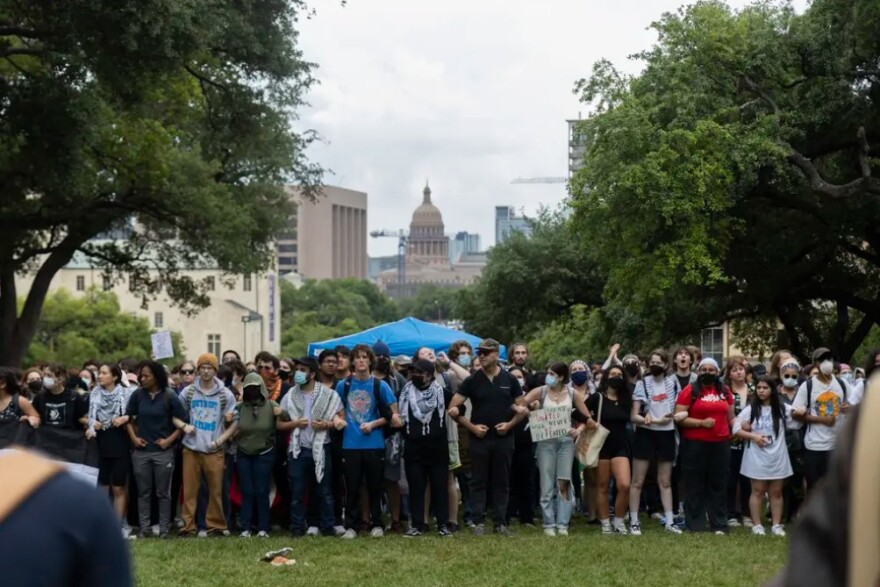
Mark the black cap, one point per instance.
(423, 366)
(309, 362)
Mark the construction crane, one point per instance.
(540, 180)
(401, 253)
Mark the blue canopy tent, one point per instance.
(403, 337)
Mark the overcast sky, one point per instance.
(469, 94)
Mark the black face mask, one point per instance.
(35, 386)
(631, 369)
(284, 375)
(616, 383)
(707, 379)
(383, 365)
(251, 394)
(657, 370)
(421, 383)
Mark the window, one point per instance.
(247, 283)
(211, 283)
(214, 344)
(158, 320)
(288, 248)
(285, 261)
(712, 343)
(80, 283)
(108, 283)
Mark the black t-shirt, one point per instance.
(615, 417)
(683, 380)
(62, 410)
(491, 400)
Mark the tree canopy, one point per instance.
(175, 115)
(731, 178)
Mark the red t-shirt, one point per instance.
(708, 405)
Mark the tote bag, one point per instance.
(590, 442)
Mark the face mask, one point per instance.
(789, 382)
(579, 378)
(300, 378)
(631, 369)
(88, 383)
(616, 382)
(707, 379)
(251, 394)
(35, 386)
(657, 370)
(284, 375)
(421, 383)
(551, 380)
(522, 382)
(826, 367)
(848, 377)
(464, 360)
(49, 382)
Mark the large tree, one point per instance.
(174, 115)
(731, 178)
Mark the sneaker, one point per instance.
(673, 529)
(777, 530)
(339, 530)
(678, 520)
(606, 529)
(758, 530)
(452, 527)
(313, 531)
(619, 527)
(349, 534)
(503, 530)
(733, 523)
(748, 523)
(377, 532)
(262, 534)
(245, 534)
(164, 535)
(529, 525)
(656, 516)
(720, 533)
(127, 535)
(470, 524)
(203, 533)
(635, 529)
(445, 533)
(549, 531)
(413, 532)
(395, 528)
(479, 530)
(179, 523)
(225, 533)
(562, 531)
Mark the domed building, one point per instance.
(427, 256)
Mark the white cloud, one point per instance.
(469, 94)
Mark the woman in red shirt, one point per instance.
(704, 411)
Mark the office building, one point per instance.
(327, 237)
(576, 147)
(463, 243)
(507, 221)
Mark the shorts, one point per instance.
(113, 471)
(614, 448)
(654, 445)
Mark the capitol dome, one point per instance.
(427, 214)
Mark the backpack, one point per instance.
(191, 392)
(383, 409)
(840, 382)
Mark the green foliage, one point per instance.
(73, 329)
(176, 114)
(568, 338)
(431, 303)
(732, 173)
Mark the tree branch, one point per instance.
(864, 185)
(761, 93)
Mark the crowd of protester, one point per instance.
(354, 441)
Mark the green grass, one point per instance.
(529, 558)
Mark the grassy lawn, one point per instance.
(529, 558)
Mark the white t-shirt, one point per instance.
(770, 462)
(660, 397)
(858, 393)
(825, 400)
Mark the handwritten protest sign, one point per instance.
(551, 422)
(162, 347)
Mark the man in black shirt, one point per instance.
(494, 413)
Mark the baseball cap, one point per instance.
(380, 349)
(423, 366)
(820, 353)
(309, 362)
(489, 345)
(403, 360)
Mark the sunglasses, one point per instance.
(187, 372)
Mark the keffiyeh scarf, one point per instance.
(423, 404)
(105, 405)
(322, 409)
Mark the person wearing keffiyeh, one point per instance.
(423, 403)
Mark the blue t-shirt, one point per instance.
(359, 409)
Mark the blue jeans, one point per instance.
(254, 479)
(301, 471)
(554, 464)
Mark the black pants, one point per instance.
(523, 473)
(815, 466)
(360, 465)
(737, 509)
(490, 458)
(706, 468)
(428, 464)
(793, 491)
(313, 497)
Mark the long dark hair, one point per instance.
(8, 376)
(158, 371)
(776, 406)
(624, 396)
(697, 388)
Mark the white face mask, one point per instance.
(826, 367)
(49, 382)
(789, 382)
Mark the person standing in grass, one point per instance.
(762, 424)
(556, 455)
(255, 418)
(652, 411)
(705, 413)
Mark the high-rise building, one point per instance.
(507, 221)
(327, 237)
(463, 243)
(577, 145)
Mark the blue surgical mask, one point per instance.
(300, 378)
(464, 360)
(551, 380)
(790, 382)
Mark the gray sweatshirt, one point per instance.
(206, 412)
